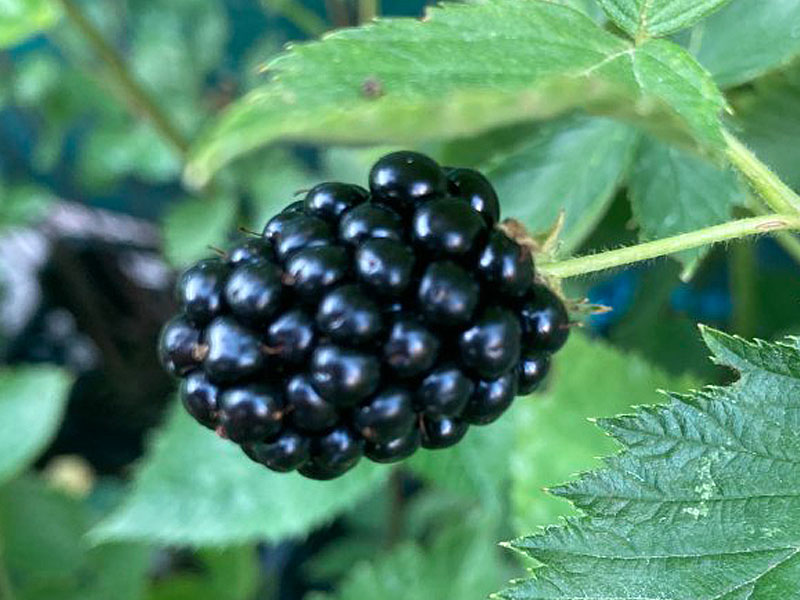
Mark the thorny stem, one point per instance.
(303, 18)
(133, 94)
(670, 245)
(776, 194)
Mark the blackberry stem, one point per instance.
(775, 193)
(301, 17)
(138, 99)
(670, 245)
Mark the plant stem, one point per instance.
(368, 10)
(132, 92)
(742, 266)
(776, 194)
(303, 18)
(670, 245)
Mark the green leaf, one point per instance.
(462, 562)
(20, 19)
(199, 490)
(21, 205)
(573, 165)
(477, 467)
(32, 401)
(194, 224)
(590, 379)
(654, 18)
(748, 38)
(672, 192)
(528, 61)
(703, 503)
(47, 556)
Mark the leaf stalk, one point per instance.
(670, 245)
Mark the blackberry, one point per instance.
(364, 323)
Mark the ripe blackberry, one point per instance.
(364, 323)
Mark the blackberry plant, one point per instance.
(365, 323)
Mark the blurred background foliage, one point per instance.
(94, 221)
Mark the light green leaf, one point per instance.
(573, 164)
(194, 224)
(554, 438)
(198, 490)
(477, 467)
(32, 401)
(672, 192)
(703, 503)
(527, 61)
(46, 554)
(748, 38)
(20, 19)
(653, 18)
(462, 562)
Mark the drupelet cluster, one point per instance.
(364, 323)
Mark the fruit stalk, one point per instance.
(133, 94)
(670, 245)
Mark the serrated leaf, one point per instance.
(590, 379)
(748, 38)
(527, 60)
(477, 467)
(46, 554)
(32, 401)
(573, 165)
(198, 490)
(462, 562)
(672, 192)
(702, 504)
(654, 18)
(20, 19)
(194, 224)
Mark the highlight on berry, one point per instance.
(364, 323)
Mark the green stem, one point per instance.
(304, 19)
(130, 89)
(670, 245)
(368, 10)
(776, 194)
(742, 264)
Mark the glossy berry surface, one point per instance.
(251, 413)
(200, 290)
(387, 416)
(472, 186)
(331, 200)
(444, 228)
(178, 346)
(545, 321)
(402, 180)
(491, 346)
(441, 433)
(364, 323)
(506, 266)
(254, 291)
(285, 453)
